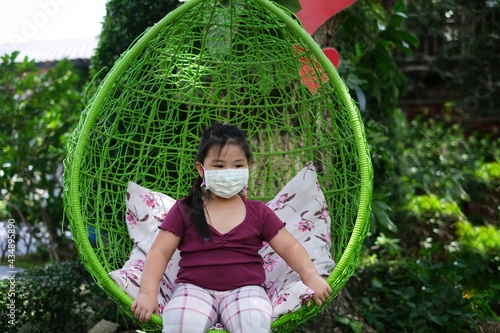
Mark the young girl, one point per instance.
(219, 234)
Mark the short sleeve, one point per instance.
(174, 220)
(271, 223)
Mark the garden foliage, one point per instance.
(37, 110)
(60, 297)
(437, 273)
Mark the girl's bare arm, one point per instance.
(296, 256)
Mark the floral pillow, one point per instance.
(301, 204)
(145, 212)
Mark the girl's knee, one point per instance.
(182, 320)
(190, 310)
(251, 321)
(248, 311)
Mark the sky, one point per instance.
(30, 20)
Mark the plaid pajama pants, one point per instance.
(194, 310)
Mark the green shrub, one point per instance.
(432, 207)
(489, 172)
(483, 187)
(480, 246)
(484, 239)
(414, 296)
(58, 298)
(438, 157)
(429, 228)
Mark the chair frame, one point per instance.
(344, 267)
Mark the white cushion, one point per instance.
(145, 212)
(301, 204)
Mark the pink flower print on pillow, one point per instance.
(168, 285)
(326, 238)
(323, 213)
(131, 219)
(138, 264)
(306, 297)
(270, 261)
(160, 217)
(305, 224)
(161, 307)
(281, 202)
(282, 298)
(150, 200)
(271, 288)
(130, 276)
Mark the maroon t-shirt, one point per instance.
(225, 261)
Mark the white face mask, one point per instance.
(226, 183)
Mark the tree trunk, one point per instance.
(325, 35)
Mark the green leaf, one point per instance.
(355, 325)
(399, 6)
(438, 265)
(407, 37)
(454, 312)
(436, 319)
(397, 18)
(359, 51)
(377, 284)
(399, 37)
(380, 209)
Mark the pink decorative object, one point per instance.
(314, 13)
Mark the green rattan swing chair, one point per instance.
(245, 62)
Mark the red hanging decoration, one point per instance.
(314, 13)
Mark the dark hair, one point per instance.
(217, 135)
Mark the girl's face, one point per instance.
(229, 157)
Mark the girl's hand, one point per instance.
(144, 306)
(158, 256)
(321, 289)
